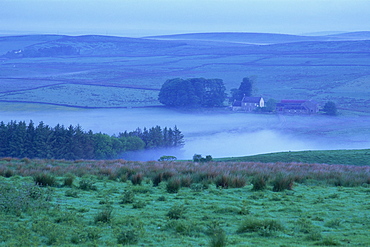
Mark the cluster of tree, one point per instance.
(200, 158)
(330, 108)
(17, 139)
(245, 89)
(193, 92)
(157, 137)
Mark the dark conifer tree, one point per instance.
(42, 141)
(178, 140)
(4, 139)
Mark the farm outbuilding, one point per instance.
(297, 107)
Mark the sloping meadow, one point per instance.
(118, 202)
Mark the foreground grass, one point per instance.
(360, 157)
(110, 203)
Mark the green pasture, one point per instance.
(86, 96)
(101, 211)
(359, 157)
(320, 71)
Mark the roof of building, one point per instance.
(237, 103)
(251, 99)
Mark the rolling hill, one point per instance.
(333, 157)
(302, 67)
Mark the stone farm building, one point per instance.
(248, 104)
(297, 107)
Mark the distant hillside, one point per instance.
(359, 157)
(88, 45)
(364, 35)
(9, 43)
(261, 38)
(92, 68)
(176, 45)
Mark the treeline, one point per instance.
(17, 139)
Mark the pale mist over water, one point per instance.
(217, 134)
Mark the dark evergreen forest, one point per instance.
(17, 139)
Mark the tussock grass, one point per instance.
(223, 174)
(118, 212)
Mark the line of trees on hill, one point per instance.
(17, 139)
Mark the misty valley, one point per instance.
(203, 139)
(220, 134)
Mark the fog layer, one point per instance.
(217, 134)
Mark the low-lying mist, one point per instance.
(215, 134)
(241, 144)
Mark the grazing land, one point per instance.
(94, 203)
(348, 157)
(106, 71)
(315, 198)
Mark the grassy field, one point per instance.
(346, 157)
(110, 203)
(93, 96)
(299, 70)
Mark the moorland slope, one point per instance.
(103, 71)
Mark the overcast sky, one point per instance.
(137, 18)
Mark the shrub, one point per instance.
(304, 225)
(186, 181)
(93, 233)
(8, 173)
(16, 199)
(68, 181)
(167, 175)
(142, 189)
(71, 193)
(164, 176)
(334, 223)
(167, 158)
(222, 181)
(104, 216)
(137, 179)
(198, 187)
(328, 242)
(282, 183)
(237, 182)
(264, 227)
(123, 178)
(330, 108)
(128, 197)
(44, 179)
(138, 204)
(184, 227)
(314, 236)
(161, 199)
(176, 212)
(128, 236)
(199, 158)
(217, 236)
(259, 183)
(157, 179)
(173, 185)
(126, 171)
(87, 185)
